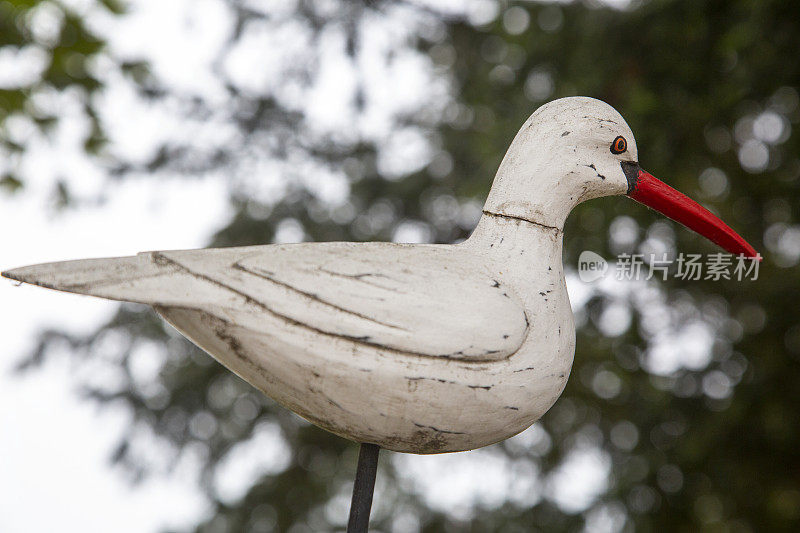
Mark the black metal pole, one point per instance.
(363, 488)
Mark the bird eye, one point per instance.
(619, 145)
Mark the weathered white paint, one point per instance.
(417, 348)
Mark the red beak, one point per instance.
(646, 189)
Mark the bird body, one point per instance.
(416, 348)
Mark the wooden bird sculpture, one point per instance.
(415, 348)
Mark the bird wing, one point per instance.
(427, 300)
(430, 300)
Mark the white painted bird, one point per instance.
(416, 348)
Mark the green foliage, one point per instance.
(690, 78)
(67, 48)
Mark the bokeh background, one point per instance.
(150, 124)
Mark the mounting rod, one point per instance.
(363, 488)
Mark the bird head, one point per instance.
(578, 148)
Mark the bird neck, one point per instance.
(534, 188)
(521, 249)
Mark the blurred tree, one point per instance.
(46, 49)
(711, 89)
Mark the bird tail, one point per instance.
(133, 279)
